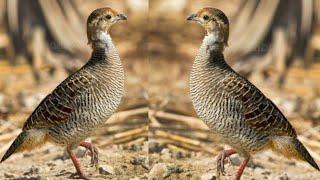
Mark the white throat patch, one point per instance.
(103, 37)
(212, 38)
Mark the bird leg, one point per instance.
(220, 160)
(76, 163)
(93, 153)
(242, 166)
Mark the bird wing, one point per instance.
(57, 107)
(257, 110)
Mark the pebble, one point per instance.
(284, 176)
(208, 176)
(155, 147)
(82, 152)
(32, 171)
(173, 169)
(165, 154)
(139, 161)
(8, 175)
(158, 170)
(106, 170)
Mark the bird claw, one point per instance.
(220, 160)
(93, 152)
(220, 164)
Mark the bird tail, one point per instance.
(15, 145)
(305, 154)
(291, 147)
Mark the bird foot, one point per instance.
(93, 152)
(79, 175)
(76, 164)
(220, 160)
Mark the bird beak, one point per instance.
(121, 17)
(192, 17)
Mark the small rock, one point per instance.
(51, 164)
(180, 154)
(106, 170)
(165, 151)
(155, 147)
(284, 176)
(266, 172)
(8, 175)
(32, 171)
(173, 169)
(81, 152)
(140, 161)
(208, 176)
(165, 154)
(157, 171)
(135, 147)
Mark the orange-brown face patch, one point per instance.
(108, 10)
(205, 10)
(100, 12)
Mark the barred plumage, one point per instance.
(82, 102)
(233, 108)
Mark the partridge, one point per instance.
(232, 107)
(83, 101)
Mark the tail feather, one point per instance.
(305, 154)
(291, 147)
(14, 146)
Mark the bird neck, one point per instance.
(214, 41)
(100, 40)
(210, 56)
(104, 54)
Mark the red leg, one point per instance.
(93, 152)
(241, 168)
(220, 160)
(76, 163)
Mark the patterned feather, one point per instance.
(56, 108)
(259, 112)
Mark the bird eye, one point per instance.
(205, 17)
(108, 16)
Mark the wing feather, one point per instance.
(259, 112)
(57, 107)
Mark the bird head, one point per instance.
(214, 21)
(101, 20)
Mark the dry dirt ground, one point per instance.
(50, 162)
(120, 162)
(202, 166)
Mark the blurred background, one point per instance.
(275, 44)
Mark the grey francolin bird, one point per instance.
(233, 108)
(83, 101)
